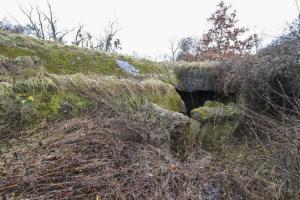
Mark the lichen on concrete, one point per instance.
(217, 123)
(197, 76)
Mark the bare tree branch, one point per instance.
(79, 37)
(33, 25)
(61, 37)
(51, 22)
(174, 48)
(42, 32)
(109, 43)
(297, 5)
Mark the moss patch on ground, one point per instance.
(51, 97)
(24, 105)
(61, 59)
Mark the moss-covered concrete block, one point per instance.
(200, 76)
(217, 123)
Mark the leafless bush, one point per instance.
(253, 77)
(263, 162)
(109, 42)
(278, 138)
(83, 38)
(8, 26)
(43, 24)
(174, 49)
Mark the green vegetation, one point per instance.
(64, 103)
(211, 110)
(60, 59)
(30, 102)
(48, 98)
(218, 122)
(33, 88)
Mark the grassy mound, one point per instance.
(51, 97)
(60, 59)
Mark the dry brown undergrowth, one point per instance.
(109, 156)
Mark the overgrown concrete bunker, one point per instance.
(195, 99)
(214, 116)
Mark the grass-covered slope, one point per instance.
(45, 81)
(61, 59)
(29, 102)
(73, 125)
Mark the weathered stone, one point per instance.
(177, 124)
(128, 68)
(217, 123)
(197, 79)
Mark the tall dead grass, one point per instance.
(264, 160)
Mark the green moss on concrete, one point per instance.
(213, 104)
(200, 114)
(163, 95)
(215, 134)
(212, 110)
(217, 124)
(171, 102)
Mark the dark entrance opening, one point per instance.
(196, 99)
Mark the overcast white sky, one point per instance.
(148, 25)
